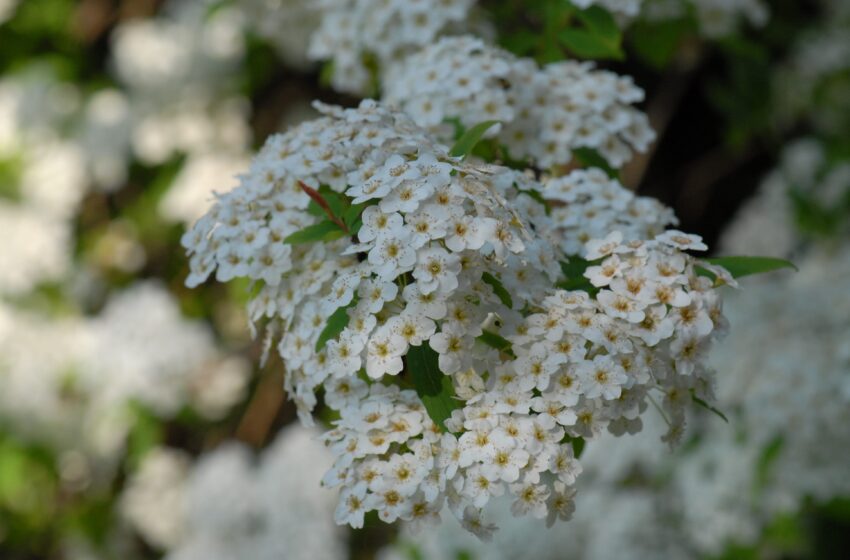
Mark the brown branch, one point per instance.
(262, 409)
(323, 204)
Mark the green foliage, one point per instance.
(336, 203)
(589, 157)
(656, 43)
(326, 73)
(743, 95)
(708, 407)
(745, 266)
(498, 289)
(10, 175)
(433, 387)
(599, 37)
(496, 341)
(146, 433)
(336, 323)
(325, 230)
(767, 459)
(465, 144)
(28, 486)
(578, 444)
(573, 270)
(337, 207)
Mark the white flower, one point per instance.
(436, 269)
(384, 352)
(602, 378)
(530, 499)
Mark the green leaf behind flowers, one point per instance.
(573, 270)
(496, 341)
(599, 37)
(433, 387)
(336, 323)
(744, 266)
(498, 289)
(325, 230)
(463, 147)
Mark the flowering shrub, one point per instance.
(475, 285)
(545, 112)
(420, 292)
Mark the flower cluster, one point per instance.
(545, 112)
(230, 504)
(417, 290)
(574, 368)
(360, 37)
(587, 204)
(42, 179)
(71, 384)
(286, 24)
(176, 96)
(427, 227)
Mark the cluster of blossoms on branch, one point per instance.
(360, 37)
(428, 299)
(545, 112)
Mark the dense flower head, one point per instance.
(545, 112)
(419, 292)
(359, 37)
(427, 224)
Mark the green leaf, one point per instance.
(470, 138)
(601, 22)
(574, 270)
(707, 406)
(352, 215)
(768, 456)
(146, 434)
(323, 231)
(587, 44)
(336, 322)
(498, 288)
(336, 202)
(326, 74)
(744, 266)
(589, 157)
(578, 444)
(521, 42)
(433, 387)
(656, 43)
(496, 341)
